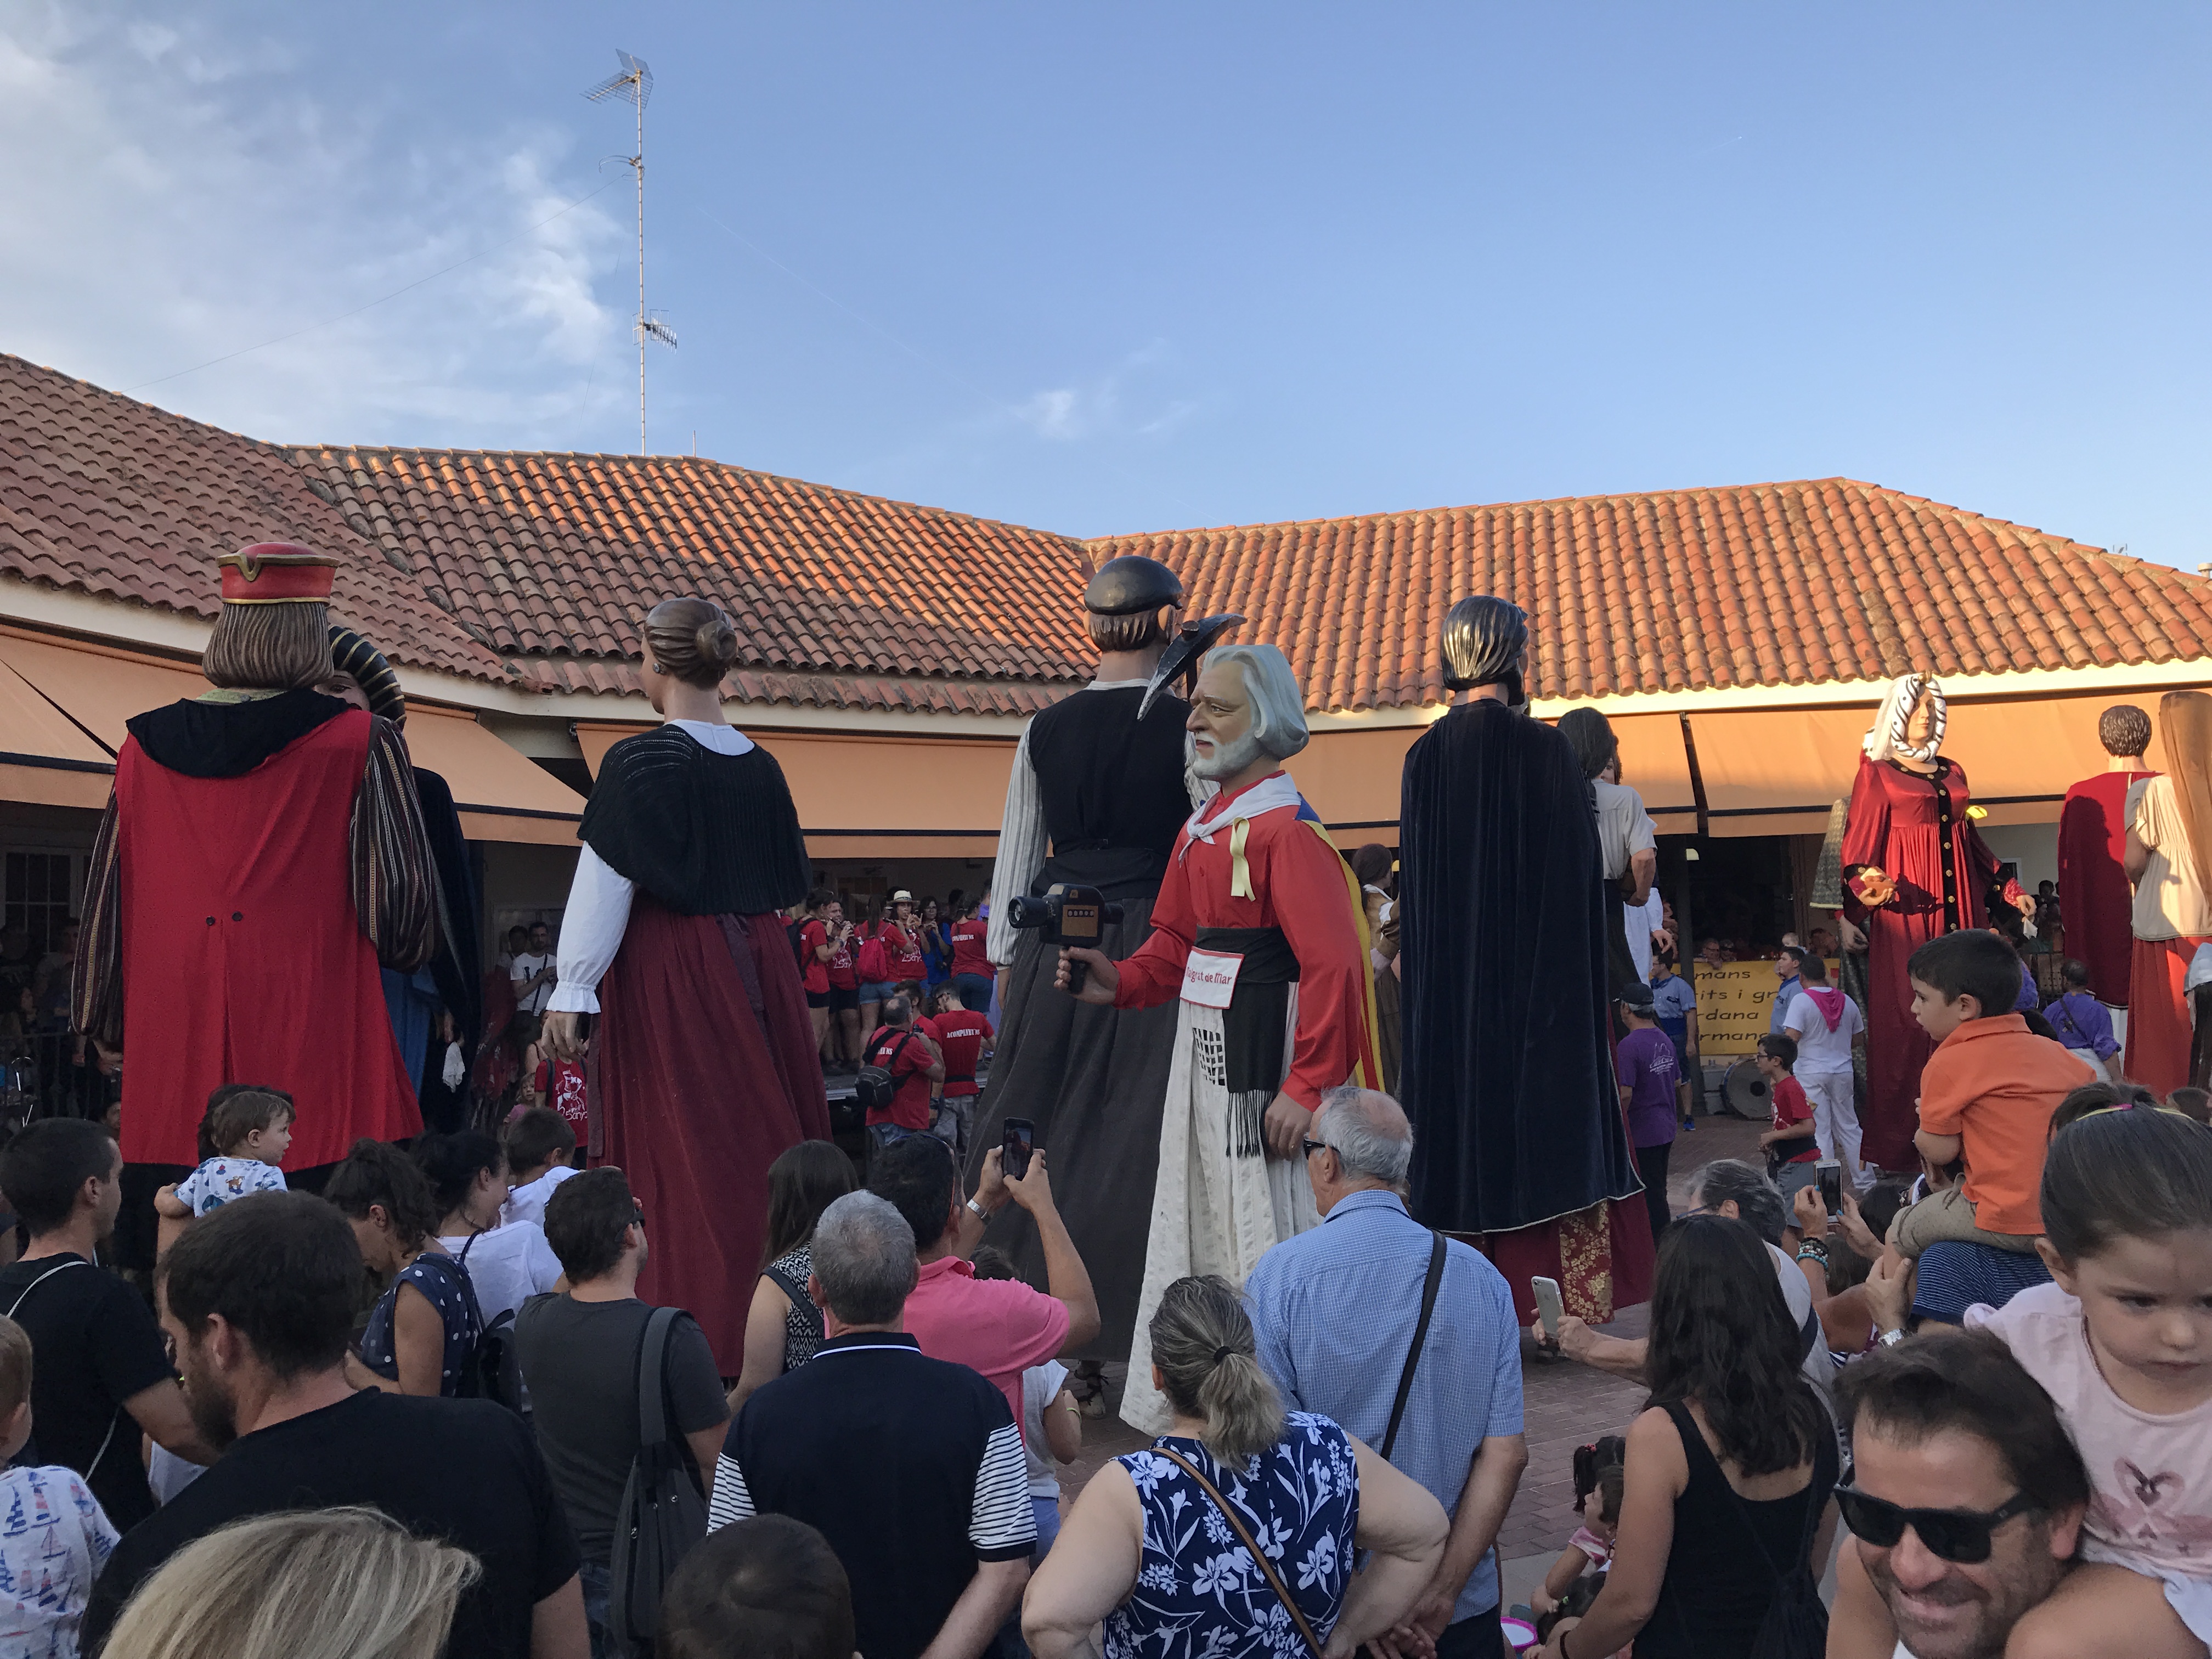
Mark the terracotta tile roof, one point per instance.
(841, 600)
(114, 497)
(1760, 585)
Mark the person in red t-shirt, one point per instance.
(901, 965)
(560, 1084)
(911, 1057)
(825, 966)
(960, 1034)
(1792, 1157)
(972, 971)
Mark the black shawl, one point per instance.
(229, 739)
(706, 834)
(1507, 1072)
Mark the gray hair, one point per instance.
(1757, 1200)
(863, 1257)
(1279, 706)
(897, 1010)
(1368, 1141)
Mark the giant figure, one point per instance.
(1914, 867)
(1102, 780)
(1505, 919)
(263, 852)
(1260, 939)
(703, 1066)
(2094, 895)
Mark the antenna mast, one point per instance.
(634, 85)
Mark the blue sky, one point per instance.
(1137, 267)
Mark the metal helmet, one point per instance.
(1483, 640)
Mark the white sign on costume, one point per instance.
(1209, 978)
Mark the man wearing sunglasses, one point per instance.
(1965, 1501)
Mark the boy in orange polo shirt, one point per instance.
(1987, 1092)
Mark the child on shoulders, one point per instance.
(54, 1537)
(1987, 1093)
(2122, 1341)
(244, 1135)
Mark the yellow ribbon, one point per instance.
(1240, 872)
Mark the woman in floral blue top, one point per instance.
(1148, 1552)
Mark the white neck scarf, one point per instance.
(1273, 791)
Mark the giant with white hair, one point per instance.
(1278, 706)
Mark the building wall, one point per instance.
(2034, 846)
(522, 884)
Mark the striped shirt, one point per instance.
(910, 1467)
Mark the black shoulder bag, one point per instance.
(662, 1514)
(875, 1086)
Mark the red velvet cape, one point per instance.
(2095, 897)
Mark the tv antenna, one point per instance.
(634, 85)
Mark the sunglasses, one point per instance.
(1962, 1536)
(1308, 1148)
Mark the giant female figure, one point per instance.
(1914, 867)
(703, 1065)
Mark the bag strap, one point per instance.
(1237, 1525)
(74, 1262)
(652, 1369)
(1429, 1288)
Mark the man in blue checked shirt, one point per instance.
(1334, 1310)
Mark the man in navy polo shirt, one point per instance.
(910, 1467)
(1334, 1310)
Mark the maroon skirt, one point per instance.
(703, 1071)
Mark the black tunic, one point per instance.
(708, 835)
(1094, 1080)
(1507, 1072)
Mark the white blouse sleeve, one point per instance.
(591, 933)
(1021, 851)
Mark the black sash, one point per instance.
(1253, 1026)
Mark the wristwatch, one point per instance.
(978, 1211)
(1889, 1339)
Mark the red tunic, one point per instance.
(2094, 895)
(243, 959)
(1299, 879)
(1918, 832)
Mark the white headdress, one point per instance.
(1886, 740)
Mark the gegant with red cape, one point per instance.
(262, 855)
(702, 1064)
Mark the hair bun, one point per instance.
(717, 642)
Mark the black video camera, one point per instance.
(1066, 915)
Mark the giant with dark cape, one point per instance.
(1508, 1072)
(1110, 792)
(702, 1066)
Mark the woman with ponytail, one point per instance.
(1160, 1544)
(705, 1068)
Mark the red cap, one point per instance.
(277, 573)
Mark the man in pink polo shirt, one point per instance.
(998, 1326)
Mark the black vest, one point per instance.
(1106, 779)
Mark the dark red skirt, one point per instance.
(1602, 1258)
(703, 1071)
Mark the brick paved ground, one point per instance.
(1565, 1406)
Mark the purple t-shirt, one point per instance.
(1645, 1061)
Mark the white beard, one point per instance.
(1228, 759)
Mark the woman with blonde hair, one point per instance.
(1162, 1544)
(341, 1584)
(2169, 859)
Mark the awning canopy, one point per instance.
(503, 794)
(866, 796)
(44, 757)
(1774, 772)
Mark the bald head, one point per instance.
(1369, 1132)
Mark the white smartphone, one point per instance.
(1549, 1308)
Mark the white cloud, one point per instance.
(1117, 404)
(175, 196)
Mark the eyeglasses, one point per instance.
(637, 1212)
(1957, 1535)
(1311, 1147)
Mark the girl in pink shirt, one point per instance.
(2122, 1344)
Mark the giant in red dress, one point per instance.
(1915, 829)
(2094, 895)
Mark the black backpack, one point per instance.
(796, 933)
(492, 1369)
(875, 1087)
(662, 1515)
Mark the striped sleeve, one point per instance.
(1001, 1525)
(732, 1501)
(395, 891)
(96, 974)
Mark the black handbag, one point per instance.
(662, 1514)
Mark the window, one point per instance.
(37, 894)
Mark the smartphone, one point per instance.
(1014, 1148)
(1831, 1184)
(1549, 1308)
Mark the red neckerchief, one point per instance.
(1830, 1001)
